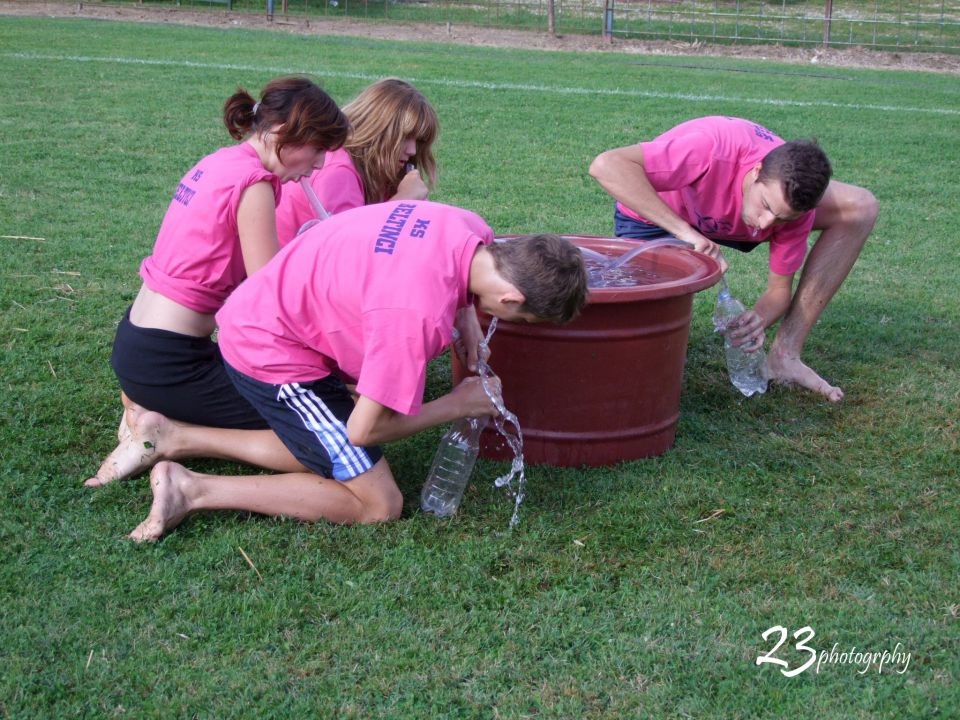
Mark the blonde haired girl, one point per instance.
(388, 156)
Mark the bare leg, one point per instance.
(845, 216)
(178, 492)
(153, 437)
(124, 430)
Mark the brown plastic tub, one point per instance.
(606, 387)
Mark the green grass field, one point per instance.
(622, 592)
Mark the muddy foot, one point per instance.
(136, 451)
(169, 482)
(792, 371)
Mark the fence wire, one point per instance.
(882, 24)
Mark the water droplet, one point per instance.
(513, 437)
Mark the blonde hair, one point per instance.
(383, 117)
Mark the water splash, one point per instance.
(513, 437)
(606, 272)
(600, 276)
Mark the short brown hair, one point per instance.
(548, 270)
(802, 169)
(308, 115)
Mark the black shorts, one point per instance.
(630, 228)
(310, 418)
(179, 376)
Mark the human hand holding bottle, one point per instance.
(746, 331)
(471, 400)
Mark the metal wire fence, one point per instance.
(924, 25)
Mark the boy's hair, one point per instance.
(383, 117)
(548, 270)
(802, 169)
(308, 115)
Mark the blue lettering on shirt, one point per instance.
(419, 228)
(184, 194)
(713, 227)
(390, 232)
(763, 133)
(196, 176)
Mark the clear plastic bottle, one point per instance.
(452, 467)
(747, 370)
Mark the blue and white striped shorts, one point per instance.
(310, 418)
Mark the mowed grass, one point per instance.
(640, 590)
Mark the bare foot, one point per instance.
(171, 504)
(137, 451)
(129, 418)
(790, 370)
(123, 430)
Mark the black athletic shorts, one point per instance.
(630, 228)
(310, 418)
(179, 376)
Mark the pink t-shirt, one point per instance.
(698, 169)
(370, 294)
(338, 186)
(197, 260)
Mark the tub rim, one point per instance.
(700, 271)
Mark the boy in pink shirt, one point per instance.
(371, 296)
(731, 181)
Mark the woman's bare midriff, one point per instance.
(153, 310)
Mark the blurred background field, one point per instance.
(922, 25)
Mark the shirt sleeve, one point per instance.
(339, 189)
(398, 344)
(677, 162)
(788, 245)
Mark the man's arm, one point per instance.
(371, 423)
(748, 329)
(622, 174)
(775, 301)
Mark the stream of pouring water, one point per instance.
(631, 254)
(514, 438)
(604, 271)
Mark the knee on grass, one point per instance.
(378, 506)
(365, 506)
(383, 507)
